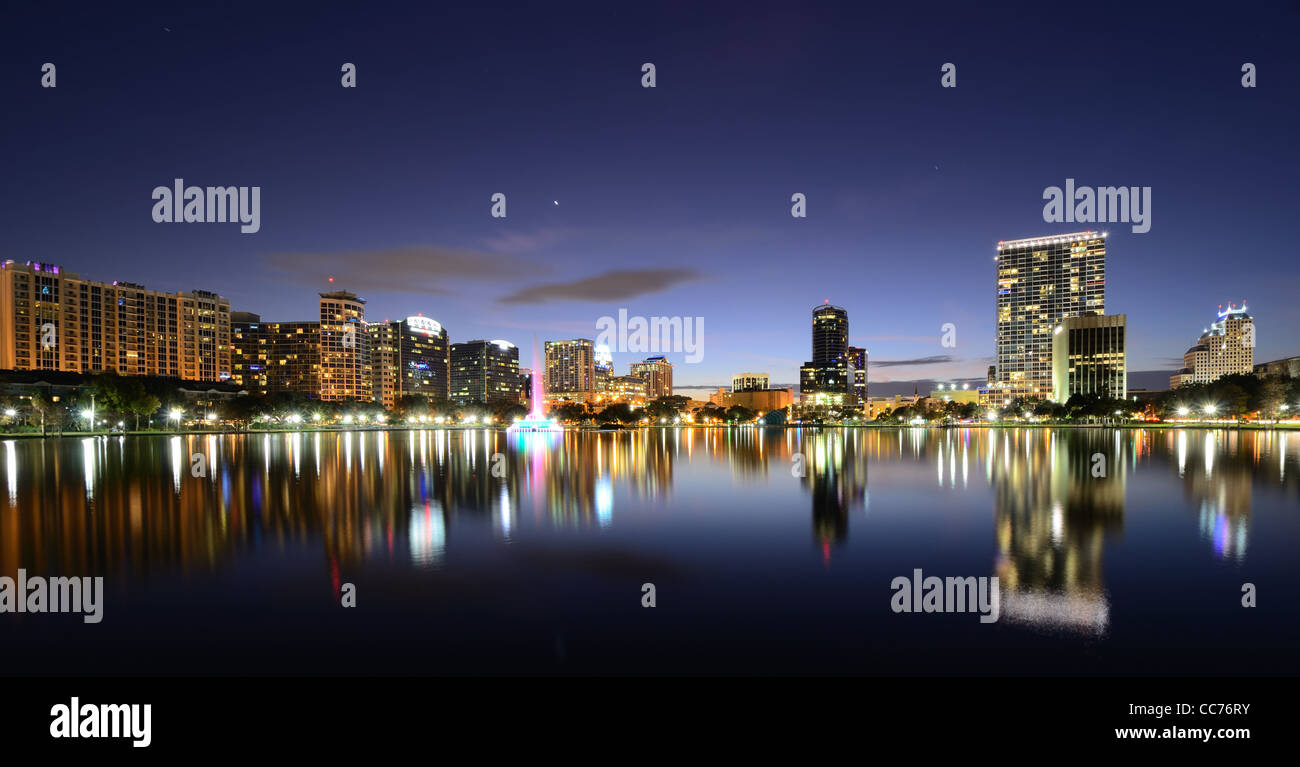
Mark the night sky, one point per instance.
(387, 187)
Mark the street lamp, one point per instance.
(10, 413)
(1211, 409)
(89, 415)
(1183, 411)
(176, 415)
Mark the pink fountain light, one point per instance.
(536, 420)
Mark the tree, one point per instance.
(740, 414)
(42, 405)
(144, 404)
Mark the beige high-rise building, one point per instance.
(1227, 346)
(51, 319)
(570, 367)
(749, 382)
(657, 372)
(344, 348)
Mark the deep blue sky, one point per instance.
(909, 185)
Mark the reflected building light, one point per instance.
(316, 452)
(1209, 454)
(1182, 452)
(88, 462)
(506, 511)
(1058, 523)
(11, 471)
(604, 501)
(428, 534)
(212, 458)
(177, 460)
(347, 450)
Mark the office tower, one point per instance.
(749, 382)
(486, 372)
(1227, 346)
(1042, 281)
(570, 367)
(827, 378)
(51, 319)
(602, 367)
(657, 372)
(858, 365)
(1088, 357)
(410, 357)
(344, 348)
(248, 352)
(830, 333)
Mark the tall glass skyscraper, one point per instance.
(830, 371)
(1042, 281)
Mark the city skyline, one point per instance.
(649, 199)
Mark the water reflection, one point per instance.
(140, 507)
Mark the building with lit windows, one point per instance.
(485, 372)
(51, 319)
(344, 348)
(1226, 347)
(570, 368)
(602, 367)
(830, 378)
(409, 358)
(750, 382)
(657, 372)
(273, 357)
(1088, 357)
(1041, 282)
(626, 389)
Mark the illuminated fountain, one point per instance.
(536, 420)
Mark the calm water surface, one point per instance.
(481, 551)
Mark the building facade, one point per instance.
(51, 319)
(409, 358)
(274, 357)
(657, 372)
(570, 367)
(1286, 368)
(485, 372)
(344, 348)
(750, 382)
(1226, 347)
(828, 378)
(1042, 281)
(1088, 357)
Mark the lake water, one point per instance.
(1116, 551)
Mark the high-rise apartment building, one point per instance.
(1226, 347)
(410, 357)
(344, 348)
(657, 372)
(1088, 357)
(570, 367)
(485, 371)
(51, 319)
(1042, 281)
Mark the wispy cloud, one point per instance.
(415, 268)
(938, 358)
(610, 286)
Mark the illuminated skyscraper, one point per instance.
(603, 367)
(570, 367)
(485, 371)
(1042, 281)
(657, 372)
(828, 378)
(1227, 346)
(411, 357)
(344, 347)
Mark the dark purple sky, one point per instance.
(387, 186)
